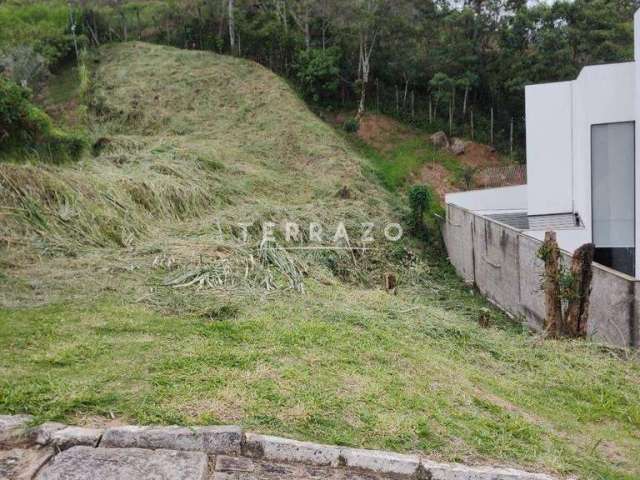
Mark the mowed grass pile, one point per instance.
(186, 138)
(180, 134)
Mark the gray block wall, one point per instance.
(503, 264)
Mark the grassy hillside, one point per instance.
(122, 300)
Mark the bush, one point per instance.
(43, 26)
(26, 128)
(23, 65)
(420, 204)
(351, 125)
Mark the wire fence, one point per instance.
(492, 177)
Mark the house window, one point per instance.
(613, 194)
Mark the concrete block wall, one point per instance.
(502, 262)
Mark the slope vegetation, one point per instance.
(127, 296)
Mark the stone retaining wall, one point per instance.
(53, 451)
(502, 262)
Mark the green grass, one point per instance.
(184, 139)
(394, 165)
(341, 365)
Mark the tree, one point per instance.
(467, 82)
(232, 24)
(442, 87)
(318, 71)
(363, 20)
(301, 11)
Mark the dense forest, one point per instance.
(459, 67)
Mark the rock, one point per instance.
(224, 440)
(457, 146)
(380, 462)
(444, 471)
(234, 464)
(285, 450)
(21, 464)
(106, 464)
(81, 463)
(41, 434)
(13, 428)
(76, 436)
(440, 139)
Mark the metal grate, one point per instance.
(522, 221)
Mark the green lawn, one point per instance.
(412, 372)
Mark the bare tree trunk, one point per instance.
(232, 26)
(577, 314)
(221, 22)
(366, 49)
(430, 110)
(377, 95)
(471, 121)
(72, 21)
(124, 25)
(413, 104)
(451, 116)
(406, 91)
(397, 101)
(464, 101)
(552, 301)
(307, 34)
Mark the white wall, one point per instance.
(636, 29)
(549, 147)
(601, 94)
(506, 198)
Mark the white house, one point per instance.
(583, 165)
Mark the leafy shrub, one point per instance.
(43, 26)
(318, 72)
(420, 204)
(24, 127)
(23, 65)
(352, 125)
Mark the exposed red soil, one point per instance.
(383, 133)
(437, 177)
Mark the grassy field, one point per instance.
(90, 333)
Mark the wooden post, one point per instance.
(553, 306)
(390, 283)
(577, 314)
